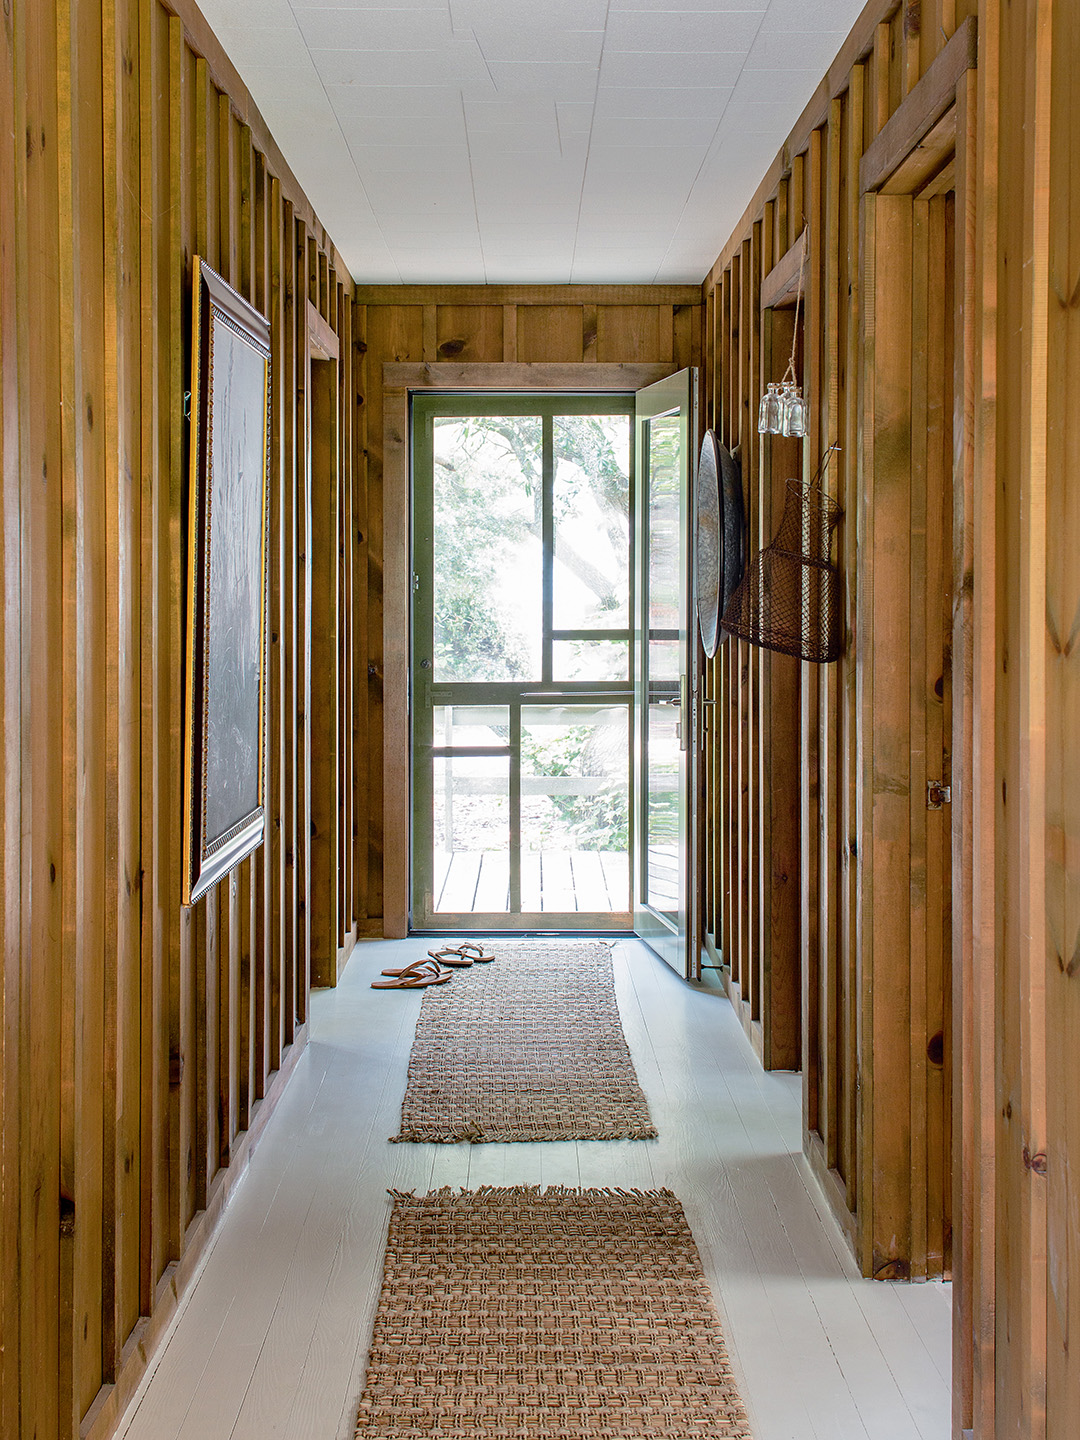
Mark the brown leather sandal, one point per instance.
(422, 967)
(451, 956)
(478, 952)
(417, 980)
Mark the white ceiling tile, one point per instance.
(363, 130)
(513, 140)
(812, 15)
(656, 32)
(472, 140)
(299, 5)
(239, 15)
(418, 163)
(433, 102)
(556, 14)
(711, 6)
(618, 165)
(330, 29)
(520, 110)
(620, 103)
(532, 40)
(562, 80)
(663, 132)
(787, 49)
(265, 47)
(596, 234)
(406, 241)
(401, 195)
(459, 63)
(687, 69)
(575, 117)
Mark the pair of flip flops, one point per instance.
(413, 977)
(467, 953)
(422, 973)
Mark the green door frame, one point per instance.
(674, 935)
(426, 692)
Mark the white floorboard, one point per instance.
(272, 1341)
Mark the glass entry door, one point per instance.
(521, 681)
(665, 682)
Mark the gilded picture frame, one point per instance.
(225, 687)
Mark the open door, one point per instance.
(664, 673)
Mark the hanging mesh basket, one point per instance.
(789, 597)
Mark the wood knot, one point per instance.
(451, 349)
(1036, 1162)
(893, 1269)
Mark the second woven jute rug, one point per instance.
(527, 1048)
(520, 1314)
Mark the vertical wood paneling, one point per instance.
(138, 1037)
(491, 325)
(1063, 722)
(875, 967)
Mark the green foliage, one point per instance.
(488, 508)
(600, 821)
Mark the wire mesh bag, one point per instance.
(789, 597)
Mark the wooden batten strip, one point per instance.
(921, 111)
(828, 409)
(850, 285)
(781, 284)
(523, 295)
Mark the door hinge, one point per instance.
(937, 794)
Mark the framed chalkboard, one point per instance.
(226, 601)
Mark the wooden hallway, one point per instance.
(273, 1340)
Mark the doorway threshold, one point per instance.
(526, 934)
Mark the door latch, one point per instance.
(937, 794)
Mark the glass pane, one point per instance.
(665, 549)
(575, 808)
(471, 804)
(662, 810)
(488, 533)
(591, 505)
(456, 726)
(590, 659)
(664, 660)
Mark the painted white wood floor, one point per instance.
(273, 1339)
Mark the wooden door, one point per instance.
(904, 649)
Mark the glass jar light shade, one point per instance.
(793, 412)
(769, 411)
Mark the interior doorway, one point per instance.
(908, 583)
(520, 674)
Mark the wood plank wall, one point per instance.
(941, 278)
(808, 802)
(143, 1044)
(575, 326)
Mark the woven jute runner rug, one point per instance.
(529, 1047)
(528, 1314)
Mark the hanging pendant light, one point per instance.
(783, 409)
(769, 414)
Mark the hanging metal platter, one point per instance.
(718, 538)
(734, 527)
